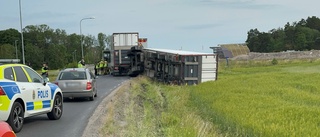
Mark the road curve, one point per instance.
(76, 114)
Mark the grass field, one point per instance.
(280, 100)
(52, 74)
(260, 100)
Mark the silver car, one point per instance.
(77, 82)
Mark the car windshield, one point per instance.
(73, 75)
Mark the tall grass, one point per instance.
(146, 109)
(259, 100)
(281, 100)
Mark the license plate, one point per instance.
(72, 84)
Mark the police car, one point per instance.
(24, 93)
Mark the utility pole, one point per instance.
(22, 44)
(15, 44)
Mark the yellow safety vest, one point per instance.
(43, 70)
(105, 64)
(101, 64)
(80, 65)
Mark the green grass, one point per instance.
(281, 100)
(52, 74)
(247, 100)
(148, 109)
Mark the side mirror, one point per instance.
(36, 80)
(45, 81)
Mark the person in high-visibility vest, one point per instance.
(96, 68)
(105, 67)
(101, 64)
(81, 63)
(44, 71)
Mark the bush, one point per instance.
(274, 61)
(72, 65)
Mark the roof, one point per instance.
(9, 61)
(232, 50)
(75, 69)
(10, 64)
(179, 52)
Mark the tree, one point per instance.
(101, 39)
(290, 36)
(253, 40)
(33, 56)
(278, 39)
(9, 36)
(108, 40)
(55, 46)
(313, 23)
(7, 51)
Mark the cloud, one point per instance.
(238, 4)
(48, 15)
(199, 26)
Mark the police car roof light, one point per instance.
(3, 61)
(2, 91)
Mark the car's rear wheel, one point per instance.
(92, 97)
(57, 109)
(96, 94)
(16, 117)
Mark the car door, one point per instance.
(26, 89)
(41, 94)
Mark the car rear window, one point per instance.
(73, 75)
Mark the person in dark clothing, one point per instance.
(96, 69)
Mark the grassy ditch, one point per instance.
(266, 100)
(145, 108)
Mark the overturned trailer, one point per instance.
(179, 67)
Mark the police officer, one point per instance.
(105, 67)
(81, 63)
(44, 71)
(96, 68)
(101, 64)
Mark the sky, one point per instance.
(190, 25)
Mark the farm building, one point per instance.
(231, 50)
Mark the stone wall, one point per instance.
(313, 54)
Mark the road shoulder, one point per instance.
(97, 119)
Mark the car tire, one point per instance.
(16, 117)
(92, 97)
(57, 108)
(95, 95)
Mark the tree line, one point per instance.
(298, 36)
(59, 49)
(43, 44)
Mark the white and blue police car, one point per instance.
(24, 93)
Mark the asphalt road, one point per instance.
(76, 114)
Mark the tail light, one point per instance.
(116, 68)
(89, 86)
(2, 91)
